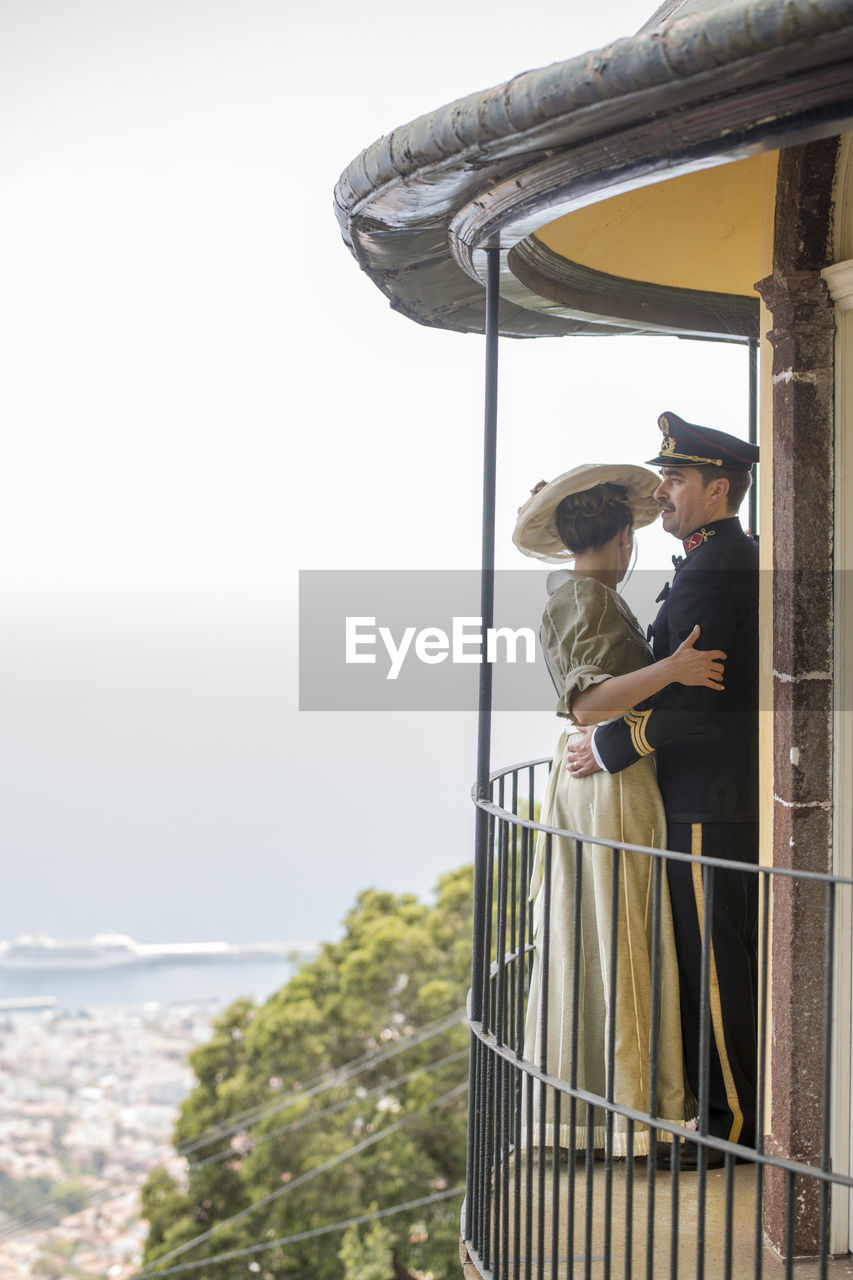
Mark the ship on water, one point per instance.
(40, 953)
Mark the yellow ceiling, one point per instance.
(708, 230)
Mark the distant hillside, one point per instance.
(343, 1096)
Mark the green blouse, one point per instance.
(588, 634)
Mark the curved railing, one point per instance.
(532, 1212)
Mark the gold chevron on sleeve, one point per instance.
(636, 722)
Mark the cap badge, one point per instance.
(669, 448)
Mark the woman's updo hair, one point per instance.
(589, 519)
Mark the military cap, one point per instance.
(701, 446)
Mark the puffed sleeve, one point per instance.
(585, 638)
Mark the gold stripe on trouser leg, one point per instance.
(714, 989)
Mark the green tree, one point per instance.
(368, 1257)
(255, 1128)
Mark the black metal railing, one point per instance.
(547, 1207)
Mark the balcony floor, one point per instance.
(742, 1262)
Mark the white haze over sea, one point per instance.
(202, 395)
(171, 790)
(212, 982)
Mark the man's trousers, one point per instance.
(732, 968)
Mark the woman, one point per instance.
(601, 667)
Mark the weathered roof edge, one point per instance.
(687, 47)
(394, 201)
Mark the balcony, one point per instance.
(584, 1210)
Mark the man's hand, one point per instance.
(579, 758)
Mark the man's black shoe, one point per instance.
(689, 1157)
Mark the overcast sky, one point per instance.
(202, 395)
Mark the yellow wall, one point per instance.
(703, 230)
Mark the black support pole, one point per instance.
(753, 431)
(482, 851)
(487, 614)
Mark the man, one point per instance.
(707, 749)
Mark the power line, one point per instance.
(340, 1075)
(343, 1075)
(45, 1217)
(315, 1173)
(87, 1199)
(306, 1235)
(230, 1153)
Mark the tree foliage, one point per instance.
(368, 1255)
(400, 966)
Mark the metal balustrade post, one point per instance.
(518, 1184)
(826, 1126)
(764, 912)
(658, 871)
(705, 1039)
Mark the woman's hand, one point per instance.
(697, 666)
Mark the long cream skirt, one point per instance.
(626, 806)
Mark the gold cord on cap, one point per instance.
(667, 450)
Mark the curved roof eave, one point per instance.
(707, 86)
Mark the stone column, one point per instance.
(802, 338)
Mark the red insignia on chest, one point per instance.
(701, 535)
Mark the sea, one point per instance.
(210, 982)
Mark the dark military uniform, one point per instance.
(707, 747)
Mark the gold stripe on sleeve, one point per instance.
(636, 722)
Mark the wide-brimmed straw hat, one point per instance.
(536, 529)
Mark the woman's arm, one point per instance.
(617, 695)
